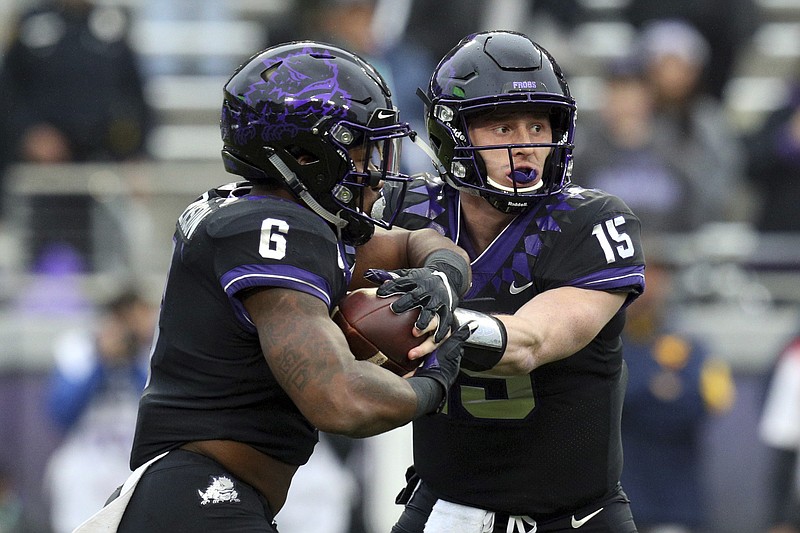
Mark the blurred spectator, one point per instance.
(75, 84)
(74, 93)
(673, 386)
(727, 25)
(692, 127)
(774, 166)
(619, 154)
(93, 398)
(780, 431)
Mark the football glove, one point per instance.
(427, 288)
(438, 372)
(434, 288)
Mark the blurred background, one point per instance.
(688, 109)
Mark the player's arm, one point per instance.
(551, 326)
(400, 248)
(309, 357)
(555, 324)
(428, 270)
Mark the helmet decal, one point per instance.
(320, 97)
(318, 94)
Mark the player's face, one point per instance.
(516, 127)
(360, 158)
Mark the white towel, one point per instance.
(107, 519)
(448, 517)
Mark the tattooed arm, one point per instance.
(309, 357)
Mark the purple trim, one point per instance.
(284, 276)
(614, 278)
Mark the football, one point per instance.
(377, 334)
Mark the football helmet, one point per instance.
(319, 120)
(485, 72)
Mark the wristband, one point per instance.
(454, 267)
(486, 345)
(430, 395)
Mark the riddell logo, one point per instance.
(524, 85)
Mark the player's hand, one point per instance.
(443, 363)
(427, 288)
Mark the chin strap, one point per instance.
(297, 187)
(426, 148)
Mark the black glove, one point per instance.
(426, 288)
(443, 363)
(438, 372)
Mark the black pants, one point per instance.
(615, 516)
(187, 492)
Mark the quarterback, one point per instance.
(529, 439)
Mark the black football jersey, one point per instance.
(208, 376)
(548, 442)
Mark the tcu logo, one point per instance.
(524, 85)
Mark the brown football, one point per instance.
(377, 334)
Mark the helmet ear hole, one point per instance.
(303, 156)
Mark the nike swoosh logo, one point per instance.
(385, 114)
(513, 289)
(578, 523)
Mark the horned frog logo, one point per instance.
(221, 490)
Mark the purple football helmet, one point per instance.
(497, 70)
(320, 120)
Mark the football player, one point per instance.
(529, 439)
(247, 364)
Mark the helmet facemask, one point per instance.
(467, 168)
(373, 160)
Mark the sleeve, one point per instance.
(596, 245)
(289, 249)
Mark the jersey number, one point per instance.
(608, 230)
(508, 398)
(273, 240)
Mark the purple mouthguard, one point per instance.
(524, 177)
